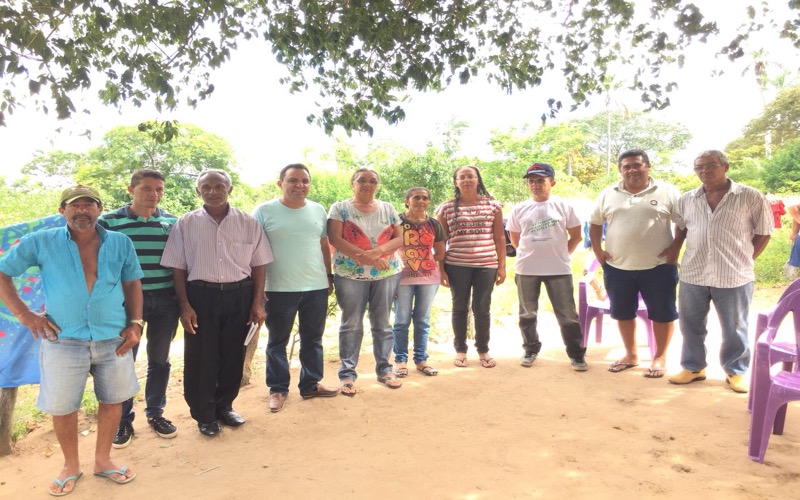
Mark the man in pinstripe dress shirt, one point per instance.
(218, 255)
(726, 226)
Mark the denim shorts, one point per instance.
(657, 286)
(66, 364)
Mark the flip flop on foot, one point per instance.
(109, 474)
(347, 389)
(621, 366)
(460, 362)
(63, 483)
(656, 372)
(488, 362)
(401, 372)
(428, 370)
(390, 381)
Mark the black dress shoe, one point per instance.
(210, 429)
(230, 418)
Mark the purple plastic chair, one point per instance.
(782, 352)
(595, 309)
(773, 392)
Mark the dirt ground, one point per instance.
(468, 433)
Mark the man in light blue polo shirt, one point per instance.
(299, 281)
(93, 311)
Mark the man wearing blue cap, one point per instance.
(545, 231)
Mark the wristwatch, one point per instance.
(139, 322)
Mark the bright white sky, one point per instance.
(267, 128)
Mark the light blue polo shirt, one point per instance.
(80, 315)
(294, 235)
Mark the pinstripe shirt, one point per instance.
(219, 253)
(719, 244)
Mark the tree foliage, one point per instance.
(781, 173)
(781, 118)
(359, 56)
(124, 150)
(577, 148)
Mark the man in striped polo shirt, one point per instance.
(726, 226)
(148, 227)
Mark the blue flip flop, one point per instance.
(64, 482)
(107, 475)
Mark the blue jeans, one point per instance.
(477, 282)
(354, 296)
(161, 313)
(282, 309)
(562, 297)
(413, 302)
(732, 306)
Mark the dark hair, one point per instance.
(291, 166)
(137, 176)
(457, 198)
(364, 169)
(411, 190)
(631, 153)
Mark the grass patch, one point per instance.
(26, 416)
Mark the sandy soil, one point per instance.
(469, 433)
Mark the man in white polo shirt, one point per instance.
(636, 260)
(726, 226)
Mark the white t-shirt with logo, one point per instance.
(542, 228)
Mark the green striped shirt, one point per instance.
(149, 237)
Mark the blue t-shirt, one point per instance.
(294, 235)
(80, 315)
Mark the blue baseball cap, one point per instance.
(540, 170)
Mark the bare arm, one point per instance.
(132, 290)
(443, 279)
(325, 246)
(759, 244)
(381, 252)
(499, 235)
(574, 238)
(794, 211)
(39, 325)
(188, 314)
(514, 235)
(596, 237)
(672, 252)
(339, 243)
(257, 312)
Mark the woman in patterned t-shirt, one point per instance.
(475, 259)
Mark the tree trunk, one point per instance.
(8, 399)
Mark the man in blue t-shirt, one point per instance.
(299, 281)
(92, 320)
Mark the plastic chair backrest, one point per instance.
(787, 303)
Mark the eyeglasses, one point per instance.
(466, 177)
(372, 182)
(537, 180)
(636, 166)
(707, 166)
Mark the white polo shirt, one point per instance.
(639, 225)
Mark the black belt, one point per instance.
(222, 286)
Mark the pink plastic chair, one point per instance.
(782, 352)
(773, 392)
(595, 309)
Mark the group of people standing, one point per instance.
(107, 276)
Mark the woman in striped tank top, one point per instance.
(475, 259)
